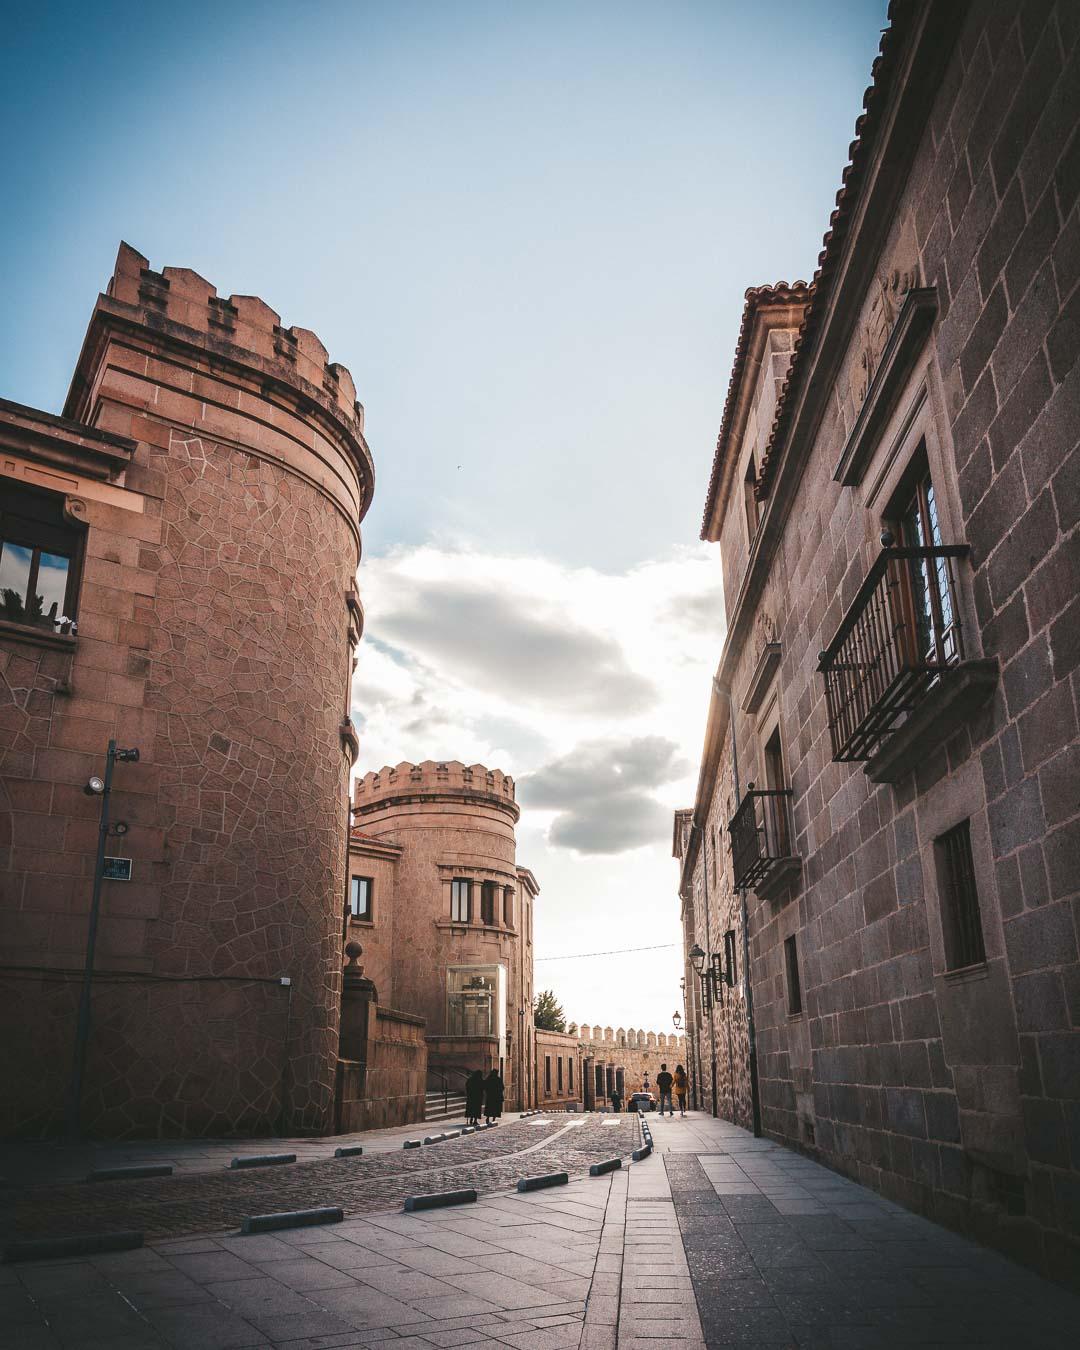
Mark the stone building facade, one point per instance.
(626, 1059)
(445, 914)
(560, 1076)
(177, 565)
(888, 809)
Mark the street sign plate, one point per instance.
(117, 869)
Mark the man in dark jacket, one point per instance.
(664, 1081)
(616, 1100)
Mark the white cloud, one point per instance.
(591, 689)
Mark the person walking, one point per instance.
(474, 1096)
(493, 1096)
(664, 1081)
(616, 1099)
(681, 1085)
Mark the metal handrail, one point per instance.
(877, 571)
(761, 833)
(898, 636)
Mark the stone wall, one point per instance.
(387, 1087)
(628, 1057)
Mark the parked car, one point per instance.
(641, 1101)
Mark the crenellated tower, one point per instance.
(217, 622)
(451, 937)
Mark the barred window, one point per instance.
(961, 920)
(729, 956)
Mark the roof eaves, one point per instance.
(756, 297)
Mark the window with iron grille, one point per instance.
(729, 956)
(961, 921)
(570, 1074)
(547, 1074)
(794, 989)
(558, 1065)
(487, 902)
(460, 904)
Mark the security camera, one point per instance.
(95, 786)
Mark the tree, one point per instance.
(548, 1012)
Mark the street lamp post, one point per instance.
(709, 990)
(95, 787)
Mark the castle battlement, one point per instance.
(435, 777)
(182, 297)
(629, 1038)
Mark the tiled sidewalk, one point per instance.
(716, 1240)
(784, 1253)
(509, 1271)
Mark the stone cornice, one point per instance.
(62, 442)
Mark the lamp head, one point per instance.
(697, 958)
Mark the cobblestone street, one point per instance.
(716, 1240)
(209, 1201)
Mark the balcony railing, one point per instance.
(761, 834)
(895, 643)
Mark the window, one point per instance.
(570, 1074)
(474, 1003)
(487, 902)
(558, 1067)
(932, 628)
(794, 991)
(40, 555)
(776, 817)
(460, 900)
(547, 1074)
(961, 921)
(729, 956)
(750, 500)
(508, 906)
(360, 898)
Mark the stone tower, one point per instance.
(216, 630)
(459, 911)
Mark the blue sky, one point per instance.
(526, 229)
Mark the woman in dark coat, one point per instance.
(493, 1096)
(474, 1096)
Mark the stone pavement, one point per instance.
(37, 1163)
(210, 1201)
(783, 1252)
(716, 1240)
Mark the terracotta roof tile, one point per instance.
(778, 293)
